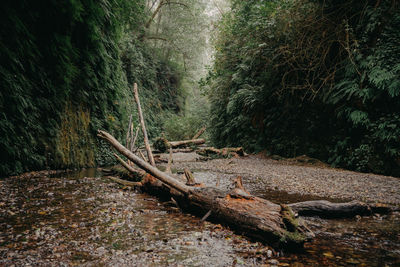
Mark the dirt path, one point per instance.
(263, 175)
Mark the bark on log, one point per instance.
(200, 132)
(162, 144)
(124, 182)
(138, 172)
(168, 169)
(145, 138)
(167, 179)
(223, 152)
(128, 132)
(255, 216)
(182, 150)
(133, 142)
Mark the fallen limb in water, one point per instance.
(252, 215)
(141, 119)
(326, 209)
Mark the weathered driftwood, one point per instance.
(129, 131)
(124, 182)
(326, 209)
(133, 141)
(163, 177)
(162, 144)
(168, 169)
(252, 215)
(142, 156)
(223, 152)
(138, 172)
(145, 138)
(182, 150)
(184, 143)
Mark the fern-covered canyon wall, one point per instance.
(312, 77)
(67, 69)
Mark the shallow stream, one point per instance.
(82, 218)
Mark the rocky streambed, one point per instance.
(82, 218)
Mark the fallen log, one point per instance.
(129, 131)
(200, 132)
(162, 144)
(326, 209)
(145, 138)
(257, 217)
(223, 152)
(184, 143)
(182, 150)
(137, 172)
(168, 169)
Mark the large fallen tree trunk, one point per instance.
(183, 143)
(223, 152)
(326, 209)
(257, 217)
(162, 144)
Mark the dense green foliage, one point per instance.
(67, 69)
(310, 77)
(179, 34)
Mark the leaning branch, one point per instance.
(257, 217)
(146, 139)
(163, 177)
(200, 132)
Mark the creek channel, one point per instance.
(83, 218)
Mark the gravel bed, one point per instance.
(292, 177)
